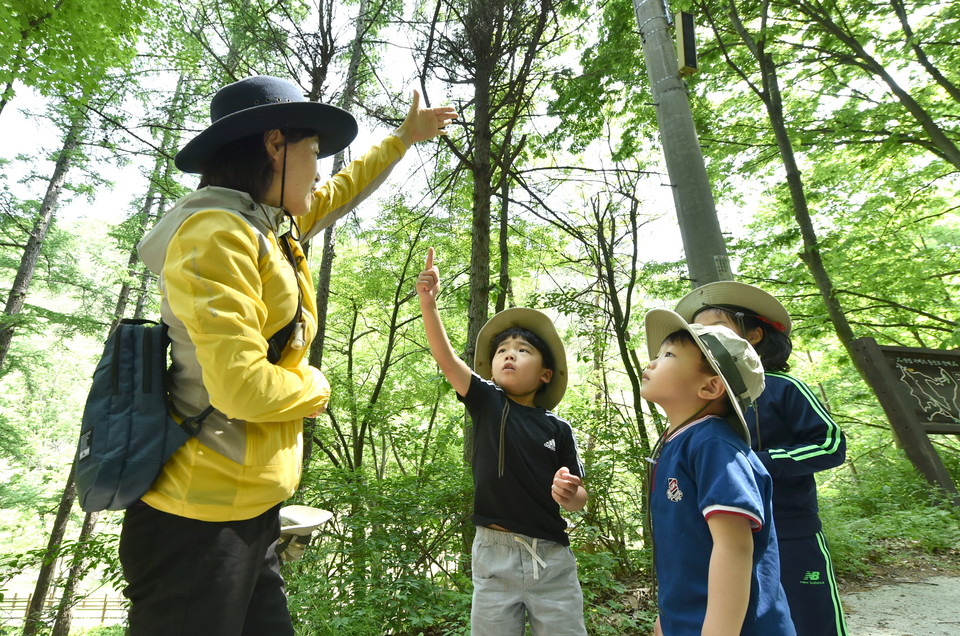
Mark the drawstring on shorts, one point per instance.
(532, 549)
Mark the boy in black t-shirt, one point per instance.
(525, 463)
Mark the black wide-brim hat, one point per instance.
(261, 103)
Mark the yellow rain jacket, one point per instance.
(225, 288)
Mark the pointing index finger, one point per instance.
(429, 258)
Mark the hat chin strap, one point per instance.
(283, 170)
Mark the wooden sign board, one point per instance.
(931, 379)
(919, 390)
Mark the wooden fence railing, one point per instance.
(98, 609)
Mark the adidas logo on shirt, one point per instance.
(551, 444)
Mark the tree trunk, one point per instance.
(503, 289)
(773, 102)
(329, 234)
(482, 194)
(33, 621)
(160, 175)
(48, 208)
(61, 625)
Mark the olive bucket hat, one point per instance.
(537, 322)
(730, 356)
(261, 103)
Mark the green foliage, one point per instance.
(614, 603)
(385, 559)
(387, 459)
(66, 47)
(871, 521)
(109, 630)
(610, 84)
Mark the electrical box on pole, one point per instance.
(686, 44)
(703, 243)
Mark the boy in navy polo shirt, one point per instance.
(525, 463)
(715, 550)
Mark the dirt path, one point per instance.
(911, 606)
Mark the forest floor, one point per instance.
(916, 596)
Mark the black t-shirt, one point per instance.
(536, 443)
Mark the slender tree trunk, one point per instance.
(61, 625)
(159, 175)
(811, 256)
(328, 253)
(504, 291)
(33, 622)
(329, 234)
(621, 310)
(48, 208)
(480, 243)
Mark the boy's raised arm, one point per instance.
(455, 369)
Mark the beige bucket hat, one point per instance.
(731, 293)
(538, 323)
(732, 357)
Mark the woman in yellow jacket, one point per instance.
(198, 549)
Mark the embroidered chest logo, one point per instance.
(673, 490)
(551, 444)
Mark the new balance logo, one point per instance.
(552, 445)
(811, 577)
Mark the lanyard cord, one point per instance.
(503, 429)
(651, 468)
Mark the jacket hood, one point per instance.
(153, 247)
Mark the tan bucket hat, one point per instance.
(542, 326)
(732, 357)
(297, 525)
(731, 293)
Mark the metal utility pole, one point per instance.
(703, 243)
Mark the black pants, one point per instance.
(806, 571)
(187, 577)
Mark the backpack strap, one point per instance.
(192, 425)
(278, 341)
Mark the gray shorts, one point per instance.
(516, 577)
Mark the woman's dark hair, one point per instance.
(774, 348)
(244, 164)
(524, 334)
